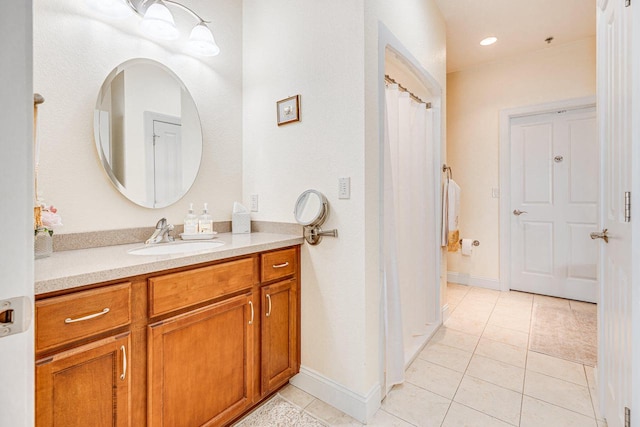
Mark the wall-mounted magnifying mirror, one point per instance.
(311, 211)
(147, 132)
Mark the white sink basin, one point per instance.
(176, 248)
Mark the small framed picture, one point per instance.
(288, 110)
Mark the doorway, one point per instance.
(554, 165)
(537, 240)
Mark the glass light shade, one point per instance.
(158, 22)
(201, 41)
(112, 8)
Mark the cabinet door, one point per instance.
(201, 365)
(88, 385)
(279, 334)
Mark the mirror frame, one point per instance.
(320, 215)
(106, 166)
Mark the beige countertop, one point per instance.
(71, 269)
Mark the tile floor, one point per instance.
(477, 371)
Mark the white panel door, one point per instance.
(554, 198)
(615, 308)
(167, 162)
(16, 204)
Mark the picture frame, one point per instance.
(288, 110)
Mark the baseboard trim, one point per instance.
(362, 408)
(465, 279)
(446, 312)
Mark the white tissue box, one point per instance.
(241, 223)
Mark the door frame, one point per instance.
(506, 115)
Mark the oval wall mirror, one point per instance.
(311, 208)
(147, 133)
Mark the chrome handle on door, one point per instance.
(90, 316)
(558, 159)
(269, 301)
(124, 363)
(602, 235)
(517, 212)
(251, 306)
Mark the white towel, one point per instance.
(450, 215)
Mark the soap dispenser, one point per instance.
(190, 222)
(205, 222)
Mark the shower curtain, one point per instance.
(408, 126)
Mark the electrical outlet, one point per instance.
(254, 203)
(344, 188)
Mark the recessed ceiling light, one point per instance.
(488, 41)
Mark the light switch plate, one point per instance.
(495, 192)
(344, 188)
(254, 203)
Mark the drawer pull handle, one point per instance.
(251, 306)
(124, 363)
(269, 301)
(90, 316)
(281, 265)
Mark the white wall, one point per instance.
(74, 50)
(475, 98)
(328, 53)
(315, 49)
(16, 203)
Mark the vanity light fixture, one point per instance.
(489, 41)
(157, 22)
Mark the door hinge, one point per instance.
(627, 3)
(627, 417)
(627, 206)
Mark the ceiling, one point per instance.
(520, 26)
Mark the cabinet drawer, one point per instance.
(64, 319)
(278, 264)
(179, 290)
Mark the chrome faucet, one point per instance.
(161, 233)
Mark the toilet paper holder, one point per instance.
(475, 242)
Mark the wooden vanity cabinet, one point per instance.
(278, 333)
(279, 321)
(89, 383)
(194, 346)
(201, 365)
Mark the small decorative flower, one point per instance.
(49, 219)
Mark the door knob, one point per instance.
(602, 235)
(517, 212)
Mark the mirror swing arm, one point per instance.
(311, 210)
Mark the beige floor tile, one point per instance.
(385, 419)
(449, 357)
(558, 392)
(502, 352)
(330, 415)
(590, 372)
(516, 296)
(602, 423)
(536, 413)
(470, 326)
(585, 307)
(514, 307)
(506, 336)
(551, 301)
(517, 323)
(481, 296)
(463, 314)
(457, 339)
(296, 396)
(495, 372)
(462, 416)
(416, 405)
(512, 313)
(557, 368)
(435, 378)
(489, 398)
